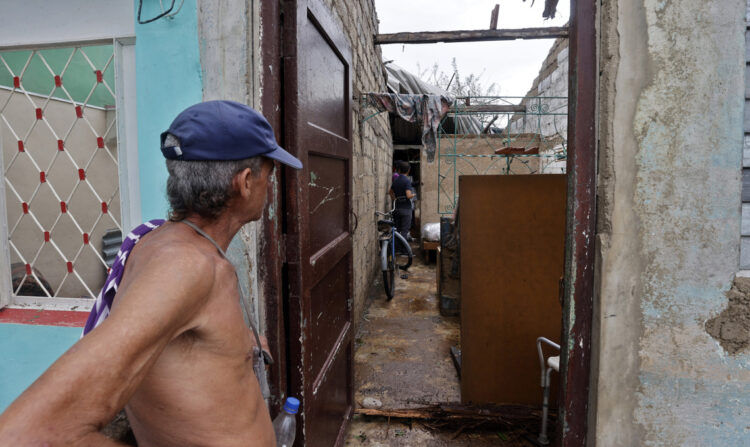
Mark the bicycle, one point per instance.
(388, 258)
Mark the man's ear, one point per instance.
(243, 182)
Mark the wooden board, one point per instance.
(512, 247)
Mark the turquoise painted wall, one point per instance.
(168, 77)
(26, 352)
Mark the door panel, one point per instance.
(328, 200)
(326, 81)
(317, 110)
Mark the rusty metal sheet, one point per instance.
(512, 252)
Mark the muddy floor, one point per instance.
(402, 358)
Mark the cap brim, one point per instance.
(285, 157)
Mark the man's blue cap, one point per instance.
(223, 130)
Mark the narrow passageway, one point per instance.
(402, 359)
(402, 345)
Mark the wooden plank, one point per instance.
(549, 32)
(493, 18)
(509, 413)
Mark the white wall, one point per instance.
(33, 22)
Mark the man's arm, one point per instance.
(392, 194)
(89, 384)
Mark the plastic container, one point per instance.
(285, 424)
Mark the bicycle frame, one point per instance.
(391, 240)
(389, 237)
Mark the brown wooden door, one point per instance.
(317, 103)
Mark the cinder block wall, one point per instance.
(372, 147)
(552, 81)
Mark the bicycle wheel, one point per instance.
(405, 250)
(389, 271)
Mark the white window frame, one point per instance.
(130, 203)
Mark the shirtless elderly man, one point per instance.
(174, 350)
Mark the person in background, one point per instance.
(402, 192)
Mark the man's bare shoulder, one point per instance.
(177, 256)
(173, 246)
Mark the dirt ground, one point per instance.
(402, 359)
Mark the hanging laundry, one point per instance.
(427, 109)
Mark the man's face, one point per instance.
(258, 186)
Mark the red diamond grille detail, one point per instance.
(47, 128)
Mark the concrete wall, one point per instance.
(466, 155)
(372, 148)
(552, 82)
(228, 36)
(745, 226)
(670, 123)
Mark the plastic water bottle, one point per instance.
(285, 424)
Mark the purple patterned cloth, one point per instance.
(106, 297)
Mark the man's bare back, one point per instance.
(202, 389)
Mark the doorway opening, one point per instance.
(577, 287)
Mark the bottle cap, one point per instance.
(291, 405)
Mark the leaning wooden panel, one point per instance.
(512, 244)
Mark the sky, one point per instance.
(512, 65)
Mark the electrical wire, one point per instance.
(164, 13)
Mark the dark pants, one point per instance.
(402, 219)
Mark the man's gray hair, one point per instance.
(203, 187)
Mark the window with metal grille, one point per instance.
(60, 168)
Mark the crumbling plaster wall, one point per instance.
(372, 150)
(228, 38)
(671, 111)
